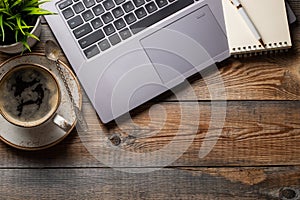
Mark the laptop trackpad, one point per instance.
(185, 46)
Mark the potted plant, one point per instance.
(20, 24)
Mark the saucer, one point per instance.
(46, 134)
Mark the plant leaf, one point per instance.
(32, 36)
(17, 2)
(19, 23)
(9, 25)
(37, 11)
(17, 35)
(25, 44)
(2, 28)
(17, 18)
(4, 11)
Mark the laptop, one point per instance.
(126, 52)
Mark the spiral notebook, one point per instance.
(270, 19)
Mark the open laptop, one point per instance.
(126, 52)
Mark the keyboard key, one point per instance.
(109, 29)
(140, 13)
(108, 4)
(87, 15)
(68, 13)
(82, 30)
(118, 2)
(104, 45)
(138, 3)
(161, 3)
(119, 24)
(91, 51)
(64, 4)
(117, 12)
(98, 10)
(78, 8)
(114, 39)
(74, 22)
(130, 18)
(89, 3)
(125, 33)
(107, 17)
(151, 7)
(97, 23)
(91, 39)
(128, 6)
(160, 14)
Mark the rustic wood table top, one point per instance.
(169, 152)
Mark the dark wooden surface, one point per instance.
(257, 155)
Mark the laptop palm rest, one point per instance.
(189, 44)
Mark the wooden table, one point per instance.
(257, 155)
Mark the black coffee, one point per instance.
(28, 94)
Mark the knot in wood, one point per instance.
(115, 140)
(288, 193)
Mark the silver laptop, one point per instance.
(126, 52)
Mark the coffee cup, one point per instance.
(30, 96)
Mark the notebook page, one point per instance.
(270, 19)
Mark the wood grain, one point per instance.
(255, 133)
(180, 183)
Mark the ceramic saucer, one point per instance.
(47, 134)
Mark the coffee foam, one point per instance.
(29, 95)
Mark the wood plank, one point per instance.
(295, 6)
(188, 183)
(255, 133)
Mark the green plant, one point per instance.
(17, 19)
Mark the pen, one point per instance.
(248, 21)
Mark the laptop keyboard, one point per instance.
(98, 25)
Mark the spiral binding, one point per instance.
(256, 50)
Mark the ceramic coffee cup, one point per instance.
(30, 96)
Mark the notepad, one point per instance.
(270, 19)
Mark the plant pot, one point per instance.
(18, 46)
